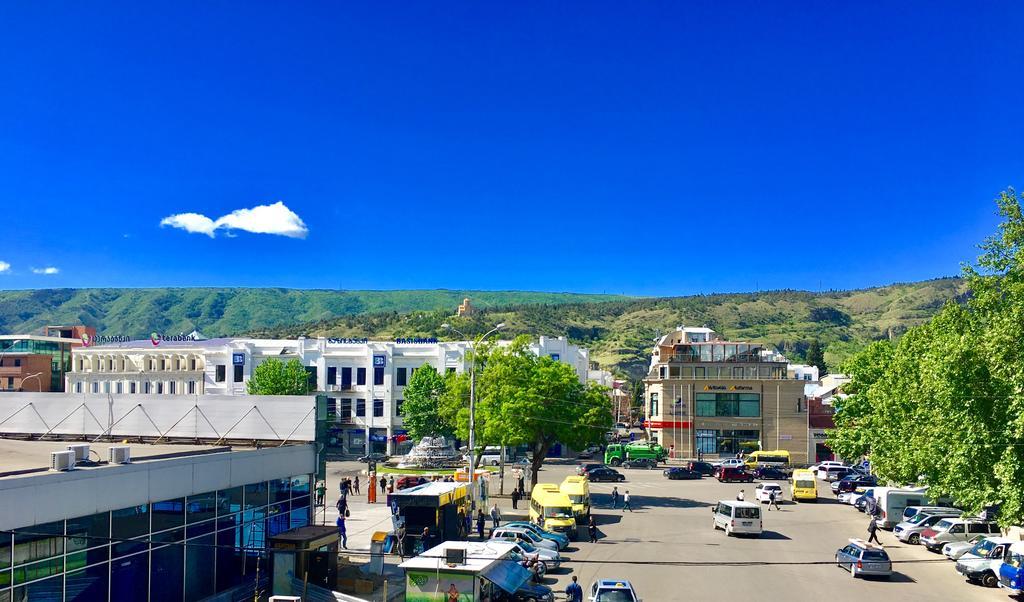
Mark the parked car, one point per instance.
(589, 452)
(647, 463)
(409, 481)
(834, 473)
(605, 473)
(677, 473)
(525, 561)
(910, 531)
(957, 549)
(910, 511)
(816, 467)
(374, 457)
(849, 498)
(611, 590)
(732, 474)
(763, 492)
(852, 481)
(981, 563)
(560, 538)
(955, 529)
(729, 462)
(862, 502)
(863, 559)
(528, 550)
(770, 473)
(522, 534)
(582, 469)
(704, 468)
(533, 592)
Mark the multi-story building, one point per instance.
(364, 380)
(717, 397)
(820, 411)
(39, 362)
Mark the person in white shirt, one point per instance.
(739, 496)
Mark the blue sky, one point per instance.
(639, 148)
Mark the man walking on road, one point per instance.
(355, 485)
(383, 485)
(342, 533)
(515, 499)
(480, 520)
(873, 532)
(574, 593)
(772, 501)
(495, 516)
(592, 529)
(740, 496)
(615, 497)
(625, 502)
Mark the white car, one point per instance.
(731, 462)
(822, 465)
(850, 497)
(956, 549)
(763, 492)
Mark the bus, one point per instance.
(803, 486)
(578, 490)
(551, 509)
(760, 459)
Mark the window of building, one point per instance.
(131, 388)
(332, 375)
(146, 387)
(400, 377)
(346, 377)
(398, 406)
(663, 372)
(119, 387)
(345, 409)
(78, 387)
(450, 370)
(712, 441)
(239, 373)
(378, 408)
(159, 388)
(17, 362)
(10, 383)
(220, 373)
(163, 364)
(106, 387)
(192, 364)
(654, 404)
(360, 408)
(378, 376)
(95, 387)
(191, 387)
(311, 378)
(172, 387)
(744, 405)
(360, 376)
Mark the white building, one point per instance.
(364, 379)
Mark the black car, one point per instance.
(374, 457)
(768, 473)
(853, 481)
(647, 463)
(583, 469)
(596, 475)
(679, 473)
(533, 592)
(704, 468)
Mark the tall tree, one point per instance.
(421, 409)
(275, 378)
(816, 357)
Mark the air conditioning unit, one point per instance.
(120, 454)
(81, 451)
(62, 460)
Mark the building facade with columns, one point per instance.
(363, 380)
(711, 396)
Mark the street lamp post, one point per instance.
(472, 406)
(35, 376)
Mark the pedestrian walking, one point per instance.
(383, 485)
(342, 505)
(625, 502)
(355, 485)
(321, 492)
(873, 532)
(400, 536)
(615, 497)
(773, 501)
(342, 533)
(574, 593)
(740, 496)
(480, 521)
(426, 538)
(522, 485)
(495, 516)
(515, 499)
(391, 484)
(592, 530)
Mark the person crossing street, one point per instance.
(873, 532)
(773, 500)
(615, 497)
(625, 502)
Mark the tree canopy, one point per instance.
(421, 410)
(275, 378)
(944, 406)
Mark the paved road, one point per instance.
(672, 522)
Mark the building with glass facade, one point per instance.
(176, 526)
(718, 397)
(32, 362)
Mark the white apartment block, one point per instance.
(364, 380)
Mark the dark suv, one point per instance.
(853, 481)
(704, 468)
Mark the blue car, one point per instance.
(559, 538)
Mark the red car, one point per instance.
(407, 482)
(732, 474)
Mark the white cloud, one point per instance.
(262, 219)
(4, 267)
(49, 270)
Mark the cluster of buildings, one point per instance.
(709, 396)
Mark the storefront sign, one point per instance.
(103, 339)
(238, 359)
(819, 435)
(715, 388)
(741, 388)
(156, 338)
(380, 360)
(785, 437)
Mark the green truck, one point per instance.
(615, 454)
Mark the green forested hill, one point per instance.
(620, 333)
(230, 311)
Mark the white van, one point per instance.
(892, 502)
(742, 518)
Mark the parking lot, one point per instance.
(671, 523)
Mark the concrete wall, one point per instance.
(208, 417)
(51, 496)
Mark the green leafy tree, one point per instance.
(816, 357)
(421, 410)
(275, 378)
